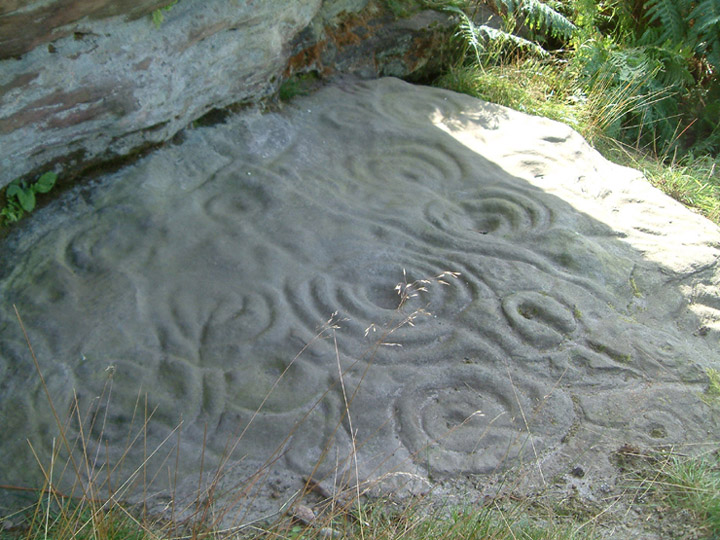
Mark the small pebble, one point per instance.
(329, 532)
(303, 514)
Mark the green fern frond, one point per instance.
(707, 17)
(505, 38)
(556, 5)
(541, 16)
(671, 15)
(652, 35)
(478, 38)
(706, 30)
(468, 32)
(631, 65)
(713, 55)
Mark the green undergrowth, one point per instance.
(532, 86)
(20, 197)
(681, 492)
(385, 520)
(693, 485)
(666, 495)
(79, 521)
(300, 84)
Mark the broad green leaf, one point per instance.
(26, 199)
(45, 183)
(13, 189)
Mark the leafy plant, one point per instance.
(490, 44)
(667, 53)
(541, 18)
(298, 85)
(21, 196)
(696, 24)
(647, 69)
(157, 15)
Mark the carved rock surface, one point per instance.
(202, 279)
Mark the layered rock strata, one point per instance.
(84, 82)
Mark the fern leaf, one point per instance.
(670, 15)
(543, 17)
(468, 32)
(652, 35)
(478, 37)
(713, 54)
(706, 16)
(498, 36)
(706, 30)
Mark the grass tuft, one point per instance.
(531, 86)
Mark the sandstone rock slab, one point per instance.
(243, 284)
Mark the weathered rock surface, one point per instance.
(26, 24)
(82, 82)
(200, 279)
